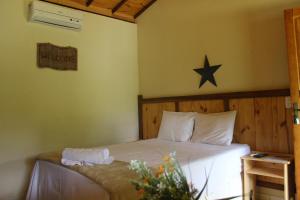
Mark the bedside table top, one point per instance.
(271, 158)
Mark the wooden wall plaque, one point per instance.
(56, 57)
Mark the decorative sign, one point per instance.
(207, 72)
(55, 57)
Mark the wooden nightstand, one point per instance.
(264, 167)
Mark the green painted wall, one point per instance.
(247, 37)
(44, 110)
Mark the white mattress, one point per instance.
(221, 163)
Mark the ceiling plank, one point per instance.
(126, 10)
(92, 9)
(118, 6)
(88, 2)
(144, 8)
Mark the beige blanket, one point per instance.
(114, 178)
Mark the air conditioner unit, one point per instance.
(55, 15)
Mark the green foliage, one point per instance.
(168, 182)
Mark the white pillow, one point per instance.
(214, 128)
(176, 126)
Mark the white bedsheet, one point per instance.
(221, 163)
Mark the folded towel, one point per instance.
(72, 156)
(71, 162)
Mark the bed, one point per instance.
(221, 163)
(261, 117)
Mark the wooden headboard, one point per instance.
(263, 121)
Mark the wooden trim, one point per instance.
(144, 8)
(233, 95)
(291, 17)
(249, 181)
(292, 52)
(140, 115)
(118, 6)
(88, 2)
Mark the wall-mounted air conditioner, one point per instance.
(48, 13)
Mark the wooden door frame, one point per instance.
(293, 66)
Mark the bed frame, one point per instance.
(263, 121)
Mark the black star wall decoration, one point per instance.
(207, 72)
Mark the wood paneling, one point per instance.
(152, 114)
(203, 106)
(244, 130)
(105, 4)
(264, 120)
(282, 127)
(127, 10)
(289, 121)
(133, 7)
(263, 123)
(272, 131)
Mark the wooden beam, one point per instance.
(88, 2)
(118, 6)
(232, 95)
(144, 8)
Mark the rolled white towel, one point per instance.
(70, 162)
(72, 156)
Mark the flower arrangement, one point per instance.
(165, 183)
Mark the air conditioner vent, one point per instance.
(48, 13)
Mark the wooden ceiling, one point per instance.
(127, 10)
